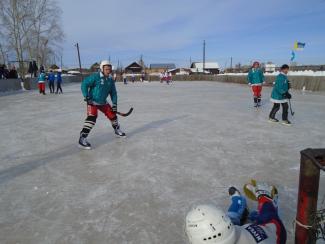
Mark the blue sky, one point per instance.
(174, 30)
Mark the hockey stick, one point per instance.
(292, 113)
(89, 102)
(125, 114)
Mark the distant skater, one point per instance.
(125, 81)
(41, 82)
(255, 79)
(51, 79)
(169, 78)
(59, 82)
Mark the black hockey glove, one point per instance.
(114, 108)
(287, 95)
(88, 100)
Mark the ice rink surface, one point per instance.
(187, 143)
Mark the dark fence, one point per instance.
(29, 83)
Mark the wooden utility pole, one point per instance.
(77, 45)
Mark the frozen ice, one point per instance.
(187, 143)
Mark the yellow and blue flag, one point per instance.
(299, 45)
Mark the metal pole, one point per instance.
(311, 162)
(61, 62)
(203, 57)
(231, 63)
(77, 45)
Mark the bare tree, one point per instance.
(47, 31)
(10, 18)
(3, 56)
(32, 29)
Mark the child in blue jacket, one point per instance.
(58, 82)
(237, 211)
(51, 79)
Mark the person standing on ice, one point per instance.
(133, 77)
(143, 76)
(256, 79)
(280, 95)
(124, 79)
(51, 79)
(95, 89)
(59, 82)
(208, 224)
(168, 77)
(41, 82)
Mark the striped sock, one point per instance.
(88, 125)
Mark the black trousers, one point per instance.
(276, 108)
(51, 86)
(58, 87)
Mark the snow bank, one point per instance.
(292, 73)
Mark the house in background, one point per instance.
(210, 67)
(269, 67)
(134, 68)
(158, 68)
(180, 71)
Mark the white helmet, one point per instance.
(206, 224)
(103, 63)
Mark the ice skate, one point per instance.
(83, 143)
(119, 133)
(273, 120)
(286, 122)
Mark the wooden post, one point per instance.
(77, 45)
(311, 162)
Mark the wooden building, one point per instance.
(134, 68)
(158, 68)
(180, 71)
(210, 67)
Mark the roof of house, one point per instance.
(208, 65)
(163, 66)
(134, 65)
(179, 69)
